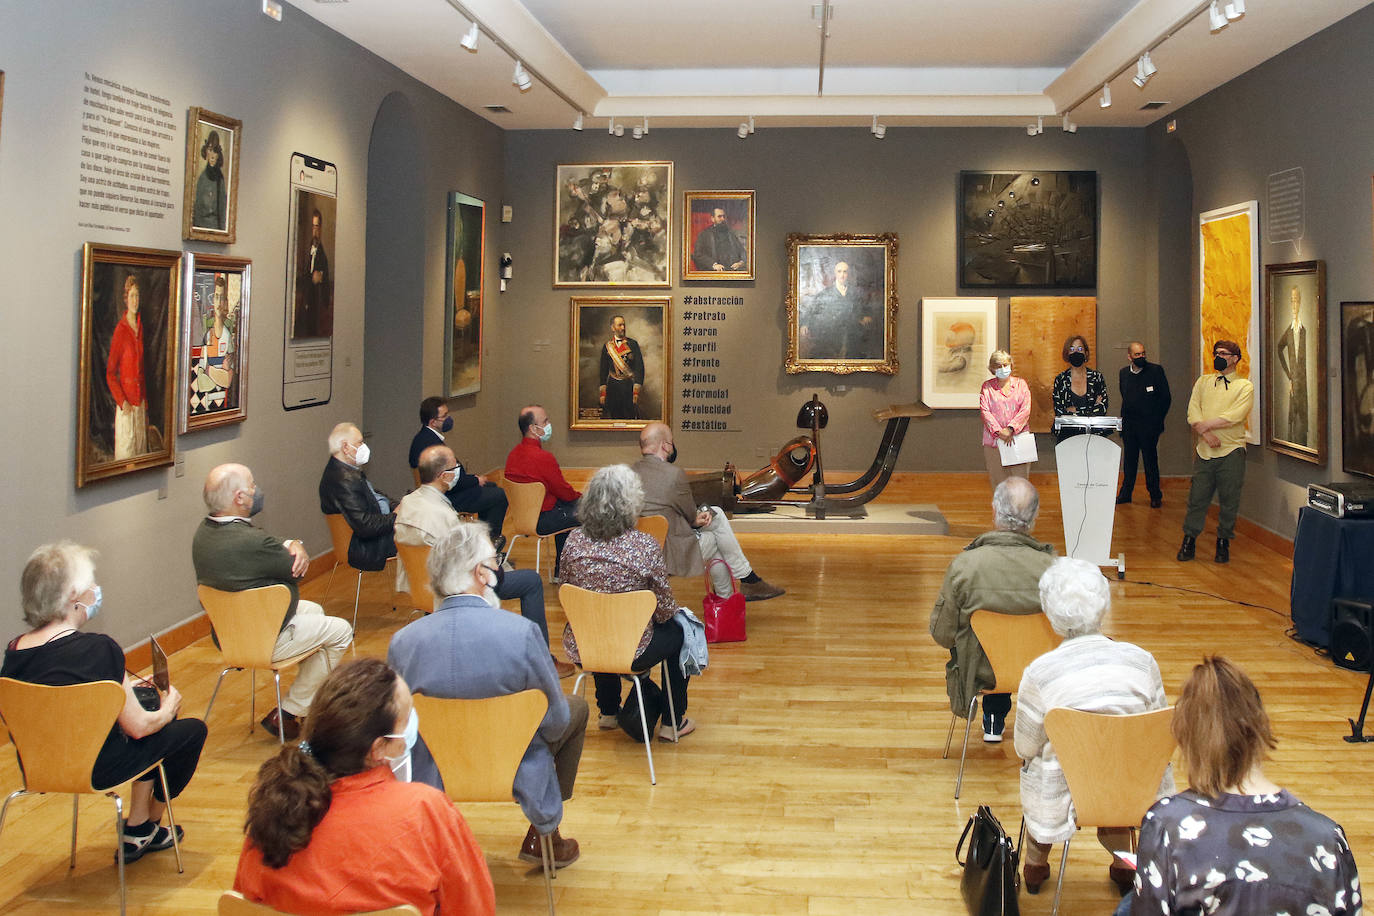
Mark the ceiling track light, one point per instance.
(637, 132)
(614, 129)
(469, 41)
(1215, 19)
(1235, 9)
(520, 78)
(1068, 126)
(745, 128)
(1144, 69)
(1037, 128)
(1106, 100)
(577, 121)
(878, 130)
(645, 127)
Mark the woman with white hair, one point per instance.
(608, 554)
(1087, 671)
(1005, 404)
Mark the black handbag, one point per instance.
(990, 881)
(655, 707)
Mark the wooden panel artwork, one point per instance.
(1039, 327)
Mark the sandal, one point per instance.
(135, 846)
(685, 728)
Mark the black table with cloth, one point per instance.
(1332, 558)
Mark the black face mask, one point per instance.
(672, 456)
(1077, 359)
(1140, 362)
(446, 425)
(1219, 363)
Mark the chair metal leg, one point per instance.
(672, 713)
(281, 726)
(215, 692)
(546, 854)
(357, 593)
(119, 844)
(252, 698)
(6, 806)
(75, 800)
(968, 724)
(577, 684)
(949, 736)
(538, 546)
(1059, 885)
(171, 820)
(644, 730)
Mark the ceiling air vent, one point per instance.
(1151, 106)
(497, 109)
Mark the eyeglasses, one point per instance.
(1076, 349)
(1224, 354)
(451, 470)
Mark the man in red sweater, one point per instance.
(529, 463)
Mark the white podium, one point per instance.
(1088, 467)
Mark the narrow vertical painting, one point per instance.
(463, 294)
(1228, 246)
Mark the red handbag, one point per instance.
(723, 615)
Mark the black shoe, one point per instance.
(1156, 502)
(1123, 498)
(1188, 549)
(290, 725)
(1223, 550)
(993, 727)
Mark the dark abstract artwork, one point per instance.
(1020, 230)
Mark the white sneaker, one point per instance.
(606, 723)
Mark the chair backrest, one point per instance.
(655, 526)
(496, 476)
(525, 499)
(232, 903)
(58, 731)
(607, 627)
(341, 534)
(1113, 763)
(1011, 642)
(414, 558)
(477, 744)
(247, 622)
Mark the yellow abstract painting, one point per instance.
(1228, 310)
(1039, 327)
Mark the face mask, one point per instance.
(1139, 361)
(446, 425)
(1077, 359)
(452, 479)
(401, 765)
(94, 607)
(258, 499)
(547, 434)
(672, 456)
(1219, 363)
(362, 454)
(1002, 372)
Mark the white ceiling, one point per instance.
(713, 63)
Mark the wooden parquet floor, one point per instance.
(814, 784)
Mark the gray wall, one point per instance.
(297, 87)
(826, 181)
(1308, 108)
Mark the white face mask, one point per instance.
(362, 454)
(489, 589)
(401, 765)
(1002, 372)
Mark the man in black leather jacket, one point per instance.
(345, 489)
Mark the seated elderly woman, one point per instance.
(608, 554)
(60, 595)
(1236, 843)
(1087, 671)
(331, 830)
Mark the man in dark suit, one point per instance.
(1144, 402)
(471, 492)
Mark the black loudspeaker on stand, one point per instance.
(1352, 646)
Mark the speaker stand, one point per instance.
(1357, 734)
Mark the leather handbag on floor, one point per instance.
(723, 615)
(990, 880)
(655, 708)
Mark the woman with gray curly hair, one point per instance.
(1087, 671)
(608, 554)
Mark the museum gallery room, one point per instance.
(825, 276)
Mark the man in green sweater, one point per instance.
(230, 553)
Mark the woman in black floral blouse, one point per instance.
(608, 554)
(1236, 844)
(1078, 390)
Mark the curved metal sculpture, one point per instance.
(771, 486)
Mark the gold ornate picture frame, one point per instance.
(126, 407)
(718, 235)
(210, 194)
(842, 303)
(620, 375)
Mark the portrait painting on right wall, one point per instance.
(1294, 354)
(1357, 388)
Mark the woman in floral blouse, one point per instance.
(1236, 844)
(608, 554)
(1078, 390)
